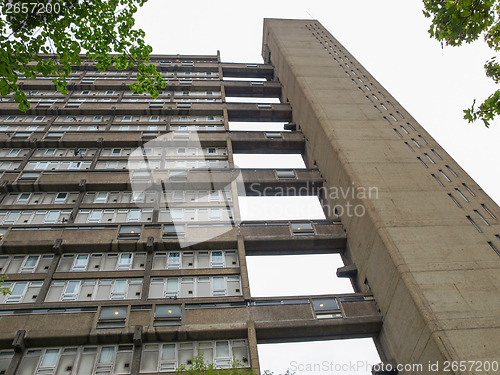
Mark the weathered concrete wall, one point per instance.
(433, 274)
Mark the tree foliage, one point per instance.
(455, 22)
(3, 289)
(103, 30)
(198, 366)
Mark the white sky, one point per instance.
(389, 38)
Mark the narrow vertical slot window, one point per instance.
(360, 89)
(408, 145)
(399, 114)
(454, 200)
(404, 129)
(387, 120)
(451, 171)
(469, 190)
(495, 249)
(392, 116)
(463, 196)
(437, 180)
(383, 106)
(378, 110)
(421, 161)
(493, 216)
(437, 154)
(482, 218)
(429, 158)
(374, 96)
(366, 87)
(415, 143)
(423, 140)
(347, 74)
(444, 175)
(398, 133)
(371, 101)
(474, 224)
(410, 126)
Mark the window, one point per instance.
(50, 151)
(80, 263)
(61, 198)
(481, 217)
(112, 317)
(285, 174)
(172, 231)
(95, 216)
(23, 198)
(101, 197)
(302, 229)
(469, 190)
(97, 118)
(326, 308)
(154, 118)
(127, 118)
(129, 232)
(14, 152)
(78, 360)
(167, 315)
(493, 216)
(474, 224)
(27, 176)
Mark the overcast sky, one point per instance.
(390, 39)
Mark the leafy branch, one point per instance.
(464, 21)
(51, 43)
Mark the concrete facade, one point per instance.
(427, 246)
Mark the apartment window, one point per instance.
(154, 118)
(285, 174)
(415, 143)
(11, 118)
(110, 92)
(172, 231)
(101, 197)
(112, 317)
(81, 262)
(61, 198)
(50, 151)
(94, 216)
(129, 232)
(27, 176)
(326, 308)
(88, 360)
(302, 229)
(23, 198)
(167, 315)
(97, 118)
(127, 118)
(451, 171)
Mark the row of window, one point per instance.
(117, 359)
(150, 151)
(121, 289)
(171, 260)
(144, 215)
(117, 197)
(99, 118)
